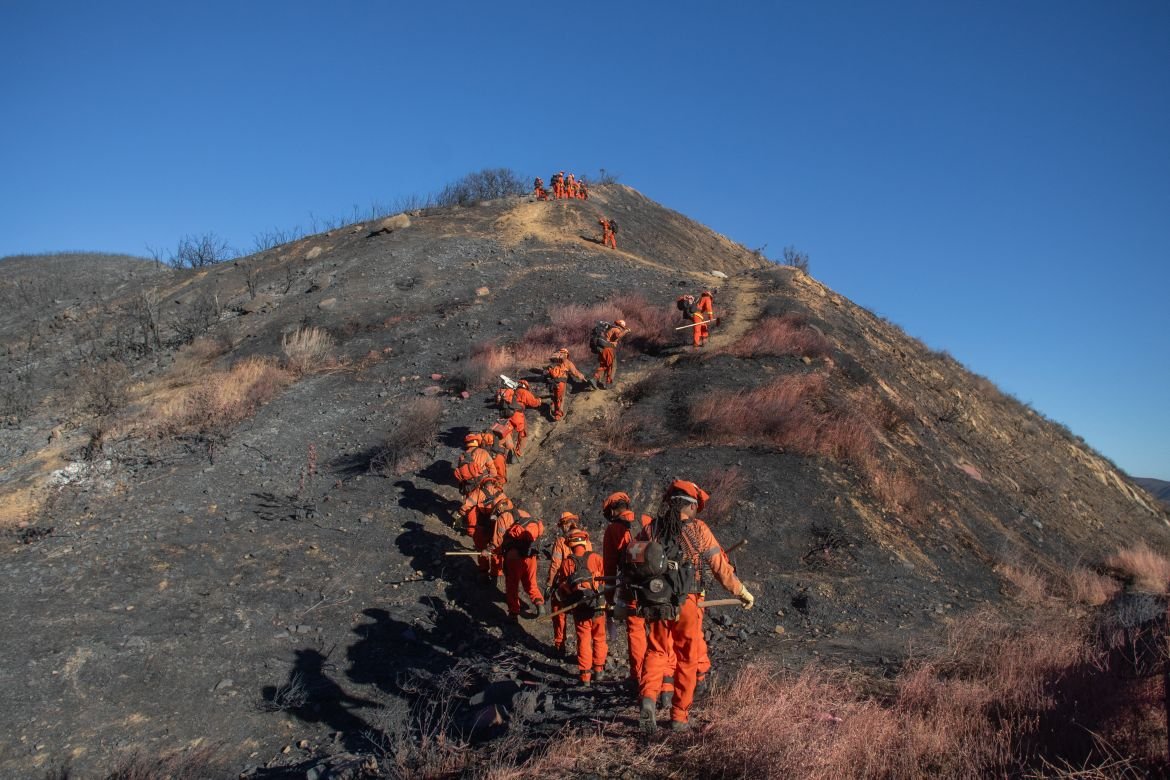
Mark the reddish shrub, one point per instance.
(1027, 584)
(788, 334)
(416, 426)
(726, 487)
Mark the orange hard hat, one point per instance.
(471, 439)
(687, 491)
(613, 500)
(568, 519)
(523, 383)
(706, 294)
(578, 536)
(487, 438)
(620, 323)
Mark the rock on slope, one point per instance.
(255, 586)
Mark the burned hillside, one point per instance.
(226, 521)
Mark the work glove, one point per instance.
(746, 597)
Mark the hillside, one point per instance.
(211, 546)
(1158, 488)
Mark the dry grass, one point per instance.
(220, 402)
(1027, 585)
(306, 350)
(1143, 567)
(788, 334)
(1089, 588)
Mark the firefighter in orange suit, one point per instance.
(568, 523)
(558, 372)
(476, 512)
(678, 527)
(581, 584)
(607, 356)
(608, 234)
(514, 535)
(513, 402)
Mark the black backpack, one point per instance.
(613, 226)
(597, 339)
(581, 576)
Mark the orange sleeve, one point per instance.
(573, 370)
(527, 398)
(471, 501)
(597, 569)
(711, 554)
(558, 558)
(503, 521)
(486, 461)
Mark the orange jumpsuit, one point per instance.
(590, 623)
(477, 509)
(560, 551)
(570, 186)
(558, 374)
(539, 190)
(474, 462)
(514, 547)
(607, 235)
(558, 183)
(685, 634)
(518, 400)
(704, 312)
(582, 190)
(618, 535)
(607, 357)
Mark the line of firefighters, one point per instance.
(650, 575)
(563, 187)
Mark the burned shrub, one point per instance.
(417, 427)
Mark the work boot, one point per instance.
(646, 716)
(541, 609)
(599, 674)
(666, 699)
(680, 726)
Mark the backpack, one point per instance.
(597, 339)
(613, 226)
(580, 585)
(506, 400)
(686, 307)
(468, 473)
(658, 576)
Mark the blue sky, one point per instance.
(993, 177)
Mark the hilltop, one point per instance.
(228, 498)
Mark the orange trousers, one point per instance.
(606, 365)
(480, 531)
(591, 645)
(685, 637)
(558, 401)
(542, 194)
(609, 239)
(636, 639)
(558, 191)
(520, 571)
(559, 622)
(699, 333)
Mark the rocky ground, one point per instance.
(270, 595)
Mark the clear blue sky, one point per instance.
(994, 177)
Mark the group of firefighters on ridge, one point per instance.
(568, 187)
(563, 187)
(650, 573)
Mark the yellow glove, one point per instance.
(746, 597)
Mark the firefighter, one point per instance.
(538, 189)
(514, 535)
(617, 510)
(476, 512)
(678, 622)
(513, 402)
(607, 354)
(558, 185)
(582, 189)
(608, 232)
(498, 449)
(474, 463)
(567, 523)
(557, 373)
(705, 308)
(581, 584)
(570, 186)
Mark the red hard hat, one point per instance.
(523, 383)
(689, 490)
(471, 438)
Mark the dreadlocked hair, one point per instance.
(669, 523)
